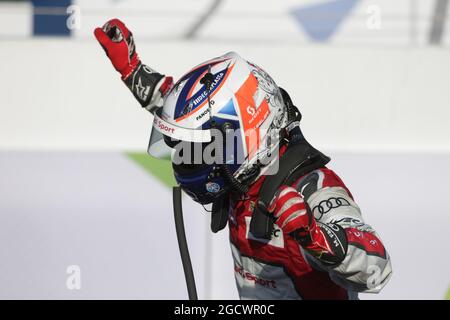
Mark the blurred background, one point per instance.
(85, 214)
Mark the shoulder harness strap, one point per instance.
(297, 161)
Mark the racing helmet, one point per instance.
(220, 125)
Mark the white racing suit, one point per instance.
(281, 269)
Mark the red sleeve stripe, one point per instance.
(366, 241)
(331, 179)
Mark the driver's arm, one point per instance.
(147, 85)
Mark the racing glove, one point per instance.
(147, 85)
(326, 242)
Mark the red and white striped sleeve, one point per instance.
(366, 265)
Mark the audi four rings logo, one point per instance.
(325, 206)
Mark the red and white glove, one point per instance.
(294, 217)
(291, 212)
(118, 43)
(148, 86)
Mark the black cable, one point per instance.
(182, 244)
(235, 184)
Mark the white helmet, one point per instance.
(221, 95)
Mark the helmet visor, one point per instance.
(165, 136)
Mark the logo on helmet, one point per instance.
(212, 187)
(189, 100)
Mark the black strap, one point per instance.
(219, 213)
(298, 160)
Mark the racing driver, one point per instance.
(296, 231)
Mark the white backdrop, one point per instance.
(64, 94)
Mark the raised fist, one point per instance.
(118, 43)
(291, 211)
(147, 85)
(327, 242)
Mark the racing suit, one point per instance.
(280, 268)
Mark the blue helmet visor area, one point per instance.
(198, 183)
